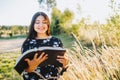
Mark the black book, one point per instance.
(52, 52)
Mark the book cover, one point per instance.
(52, 52)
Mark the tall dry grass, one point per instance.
(85, 63)
(96, 64)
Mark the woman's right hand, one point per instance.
(32, 64)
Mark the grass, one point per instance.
(7, 62)
(103, 64)
(85, 63)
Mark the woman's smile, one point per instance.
(40, 25)
(41, 28)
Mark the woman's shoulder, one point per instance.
(57, 41)
(27, 41)
(55, 38)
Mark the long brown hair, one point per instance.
(32, 33)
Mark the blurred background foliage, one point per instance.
(62, 22)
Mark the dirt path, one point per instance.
(10, 45)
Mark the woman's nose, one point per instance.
(40, 24)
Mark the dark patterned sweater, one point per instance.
(46, 72)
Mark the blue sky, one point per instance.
(20, 12)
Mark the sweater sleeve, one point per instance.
(25, 46)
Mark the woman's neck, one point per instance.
(42, 36)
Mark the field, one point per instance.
(85, 64)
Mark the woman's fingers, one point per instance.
(60, 57)
(63, 59)
(45, 57)
(35, 56)
(60, 60)
(41, 55)
(28, 60)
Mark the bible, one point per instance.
(52, 52)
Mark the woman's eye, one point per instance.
(44, 22)
(36, 22)
(40, 22)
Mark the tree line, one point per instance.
(10, 31)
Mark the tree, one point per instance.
(55, 21)
(47, 4)
(66, 20)
(115, 6)
(14, 30)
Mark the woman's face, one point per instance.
(40, 25)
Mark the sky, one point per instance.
(20, 12)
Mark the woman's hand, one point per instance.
(64, 60)
(32, 64)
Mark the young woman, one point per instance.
(39, 36)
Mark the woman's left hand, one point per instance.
(64, 60)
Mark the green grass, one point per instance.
(7, 62)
